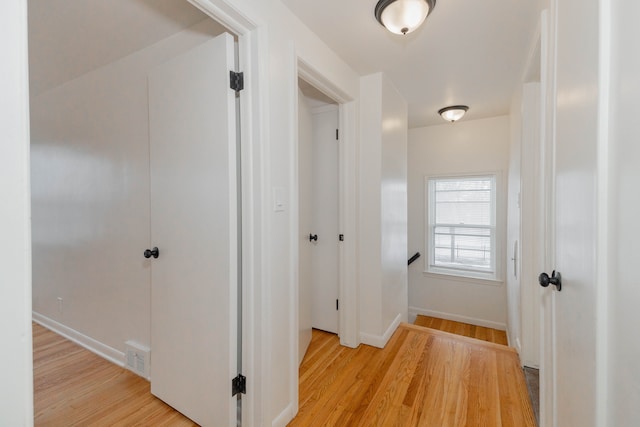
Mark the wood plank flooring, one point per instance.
(464, 329)
(74, 387)
(423, 377)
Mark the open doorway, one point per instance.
(318, 213)
(340, 104)
(526, 221)
(91, 126)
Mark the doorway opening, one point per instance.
(341, 104)
(526, 221)
(318, 214)
(90, 145)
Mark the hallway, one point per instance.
(423, 377)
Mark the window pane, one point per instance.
(465, 201)
(463, 247)
(463, 228)
(464, 196)
(463, 213)
(463, 184)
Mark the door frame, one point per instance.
(347, 218)
(15, 218)
(253, 46)
(347, 189)
(252, 57)
(532, 206)
(531, 253)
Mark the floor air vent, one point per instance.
(137, 358)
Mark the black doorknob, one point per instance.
(313, 237)
(148, 253)
(555, 280)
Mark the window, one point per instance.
(461, 226)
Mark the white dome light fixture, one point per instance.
(453, 113)
(403, 16)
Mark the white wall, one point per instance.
(370, 214)
(393, 205)
(90, 193)
(382, 210)
(623, 224)
(16, 380)
(465, 147)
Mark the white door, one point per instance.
(193, 223)
(569, 368)
(324, 258)
(305, 210)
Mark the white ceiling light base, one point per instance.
(403, 16)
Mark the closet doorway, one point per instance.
(318, 214)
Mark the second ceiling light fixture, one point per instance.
(403, 16)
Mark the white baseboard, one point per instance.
(283, 419)
(112, 355)
(413, 311)
(381, 340)
(515, 343)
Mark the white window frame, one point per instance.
(466, 273)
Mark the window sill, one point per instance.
(460, 278)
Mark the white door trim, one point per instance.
(256, 342)
(348, 292)
(346, 198)
(16, 392)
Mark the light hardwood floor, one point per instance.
(464, 329)
(423, 377)
(74, 387)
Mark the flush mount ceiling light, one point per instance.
(453, 113)
(403, 16)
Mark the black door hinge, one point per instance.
(237, 81)
(341, 237)
(239, 385)
(337, 304)
(337, 135)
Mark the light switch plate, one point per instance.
(279, 196)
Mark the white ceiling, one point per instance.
(68, 38)
(469, 52)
